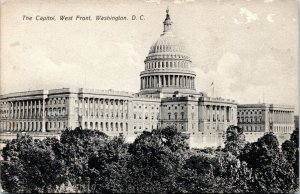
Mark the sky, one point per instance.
(248, 48)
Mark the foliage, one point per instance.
(107, 167)
(77, 146)
(159, 161)
(235, 140)
(290, 150)
(156, 159)
(272, 172)
(31, 166)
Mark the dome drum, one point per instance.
(168, 81)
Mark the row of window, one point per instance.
(249, 120)
(166, 64)
(166, 48)
(146, 107)
(139, 116)
(32, 126)
(101, 101)
(248, 112)
(105, 114)
(106, 126)
(167, 56)
(51, 101)
(176, 116)
(35, 112)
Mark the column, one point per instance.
(153, 82)
(30, 110)
(94, 113)
(211, 113)
(35, 108)
(24, 108)
(146, 82)
(158, 81)
(39, 109)
(193, 82)
(43, 116)
(12, 108)
(164, 77)
(27, 109)
(180, 81)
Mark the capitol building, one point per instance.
(167, 97)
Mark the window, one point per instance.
(169, 114)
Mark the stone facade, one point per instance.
(256, 119)
(167, 97)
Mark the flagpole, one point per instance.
(213, 89)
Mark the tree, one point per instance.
(235, 140)
(108, 170)
(271, 171)
(77, 147)
(156, 159)
(290, 150)
(31, 166)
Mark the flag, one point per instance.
(212, 83)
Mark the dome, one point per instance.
(167, 66)
(167, 43)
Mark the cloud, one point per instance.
(268, 1)
(270, 18)
(236, 21)
(250, 17)
(247, 17)
(246, 81)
